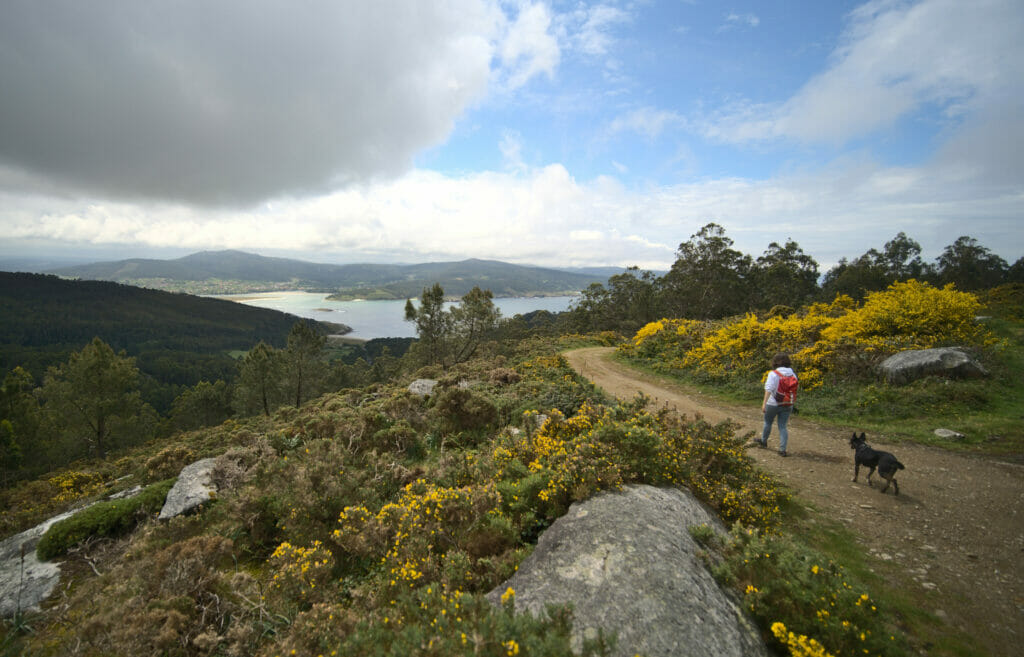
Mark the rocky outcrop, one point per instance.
(422, 387)
(25, 581)
(908, 366)
(628, 565)
(193, 487)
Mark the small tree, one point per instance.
(433, 324)
(94, 397)
(303, 359)
(203, 405)
(20, 409)
(452, 336)
(10, 451)
(258, 388)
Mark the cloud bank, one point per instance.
(240, 100)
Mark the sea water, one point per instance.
(376, 319)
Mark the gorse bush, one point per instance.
(826, 341)
(812, 606)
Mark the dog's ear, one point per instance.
(862, 435)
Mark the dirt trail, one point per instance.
(955, 532)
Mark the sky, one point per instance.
(560, 133)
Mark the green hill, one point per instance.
(212, 272)
(177, 339)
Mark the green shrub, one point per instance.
(461, 409)
(110, 518)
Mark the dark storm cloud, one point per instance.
(231, 101)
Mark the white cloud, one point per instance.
(895, 59)
(544, 216)
(595, 34)
(511, 147)
(647, 121)
(529, 49)
(732, 19)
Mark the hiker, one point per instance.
(779, 397)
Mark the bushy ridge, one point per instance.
(839, 340)
(372, 521)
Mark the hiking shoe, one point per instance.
(762, 443)
(783, 453)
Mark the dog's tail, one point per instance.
(899, 466)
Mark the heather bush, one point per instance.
(462, 409)
(168, 462)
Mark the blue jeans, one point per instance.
(770, 413)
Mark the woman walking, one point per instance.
(779, 397)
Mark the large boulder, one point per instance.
(627, 564)
(907, 366)
(193, 487)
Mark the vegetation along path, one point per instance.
(954, 535)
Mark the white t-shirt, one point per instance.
(772, 383)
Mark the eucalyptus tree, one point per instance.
(785, 276)
(709, 278)
(970, 266)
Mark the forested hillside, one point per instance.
(177, 339)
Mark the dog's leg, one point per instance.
(886, 487)
(896, 487)
(856, 470)
(871, 471)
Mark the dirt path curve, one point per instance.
(955, 532)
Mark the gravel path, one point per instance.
(955, 532)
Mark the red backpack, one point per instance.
(785, 394)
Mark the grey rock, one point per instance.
(25, 582)
(193, 487)
(534, 422)
(126, 493)
(627, 564)
(911, 365)
(948, 434)
(422, 387)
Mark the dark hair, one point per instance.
(781, 359)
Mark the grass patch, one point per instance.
(888, 583)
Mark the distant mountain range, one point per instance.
(224, 272)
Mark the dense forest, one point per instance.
(177, 339)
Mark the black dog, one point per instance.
(872, 458)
